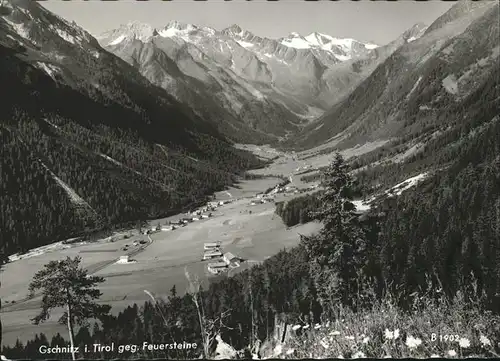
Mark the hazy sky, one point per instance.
(379, 21)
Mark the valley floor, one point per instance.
(252, 232)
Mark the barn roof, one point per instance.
(229, 255)
(217, 265)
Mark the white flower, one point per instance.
(349, 337)
(296, 327)
(389, 335)
(396, 333)
(359, 354)
(413, 342)
(335, 333)
(290, 351)
(435, 356)
(464, 343)
(324, 344)
(366, 339)
(305, 327)
(452, 353)
(327, 324)
(317, 326)
(484, 340)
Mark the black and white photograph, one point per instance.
(249, 179)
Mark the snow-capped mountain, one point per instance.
(292, 80)
(425, 88)
(342, 49)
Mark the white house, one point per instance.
(167, 228)
(217, 268)
(212, 246)
(230, 258)
(195, 219)
(212, 254)
(204, 216)
(125, 260)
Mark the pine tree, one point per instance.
(65, 284)
(336, 252)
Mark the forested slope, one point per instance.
(75, 159)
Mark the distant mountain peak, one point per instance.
(342, 48)
(131, 30)
(175, 24)
(415, 32)
(181, 30)
(235, 29)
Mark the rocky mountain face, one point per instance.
(86, 142)
(240, 80)
(413, 93)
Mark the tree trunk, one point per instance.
(0, 323)
(70, 330)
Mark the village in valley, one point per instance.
(220, 261)
(233, 231)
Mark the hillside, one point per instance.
(406, 97)
(87, 142)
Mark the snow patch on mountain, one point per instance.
(118, 40)
(342, 49)
(186, 32)
(14, 39)
(414, 87)
(20, 29)
(73, 196)
(245, 44)
(399, 188)
(50, 69)
(173, 32)
(450, 84)
(67, 37)
(296, 41)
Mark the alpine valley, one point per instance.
(354, 188)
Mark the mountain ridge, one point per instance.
(253, 82)
(382, 106)
(88, 143)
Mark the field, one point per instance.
(253, 233)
